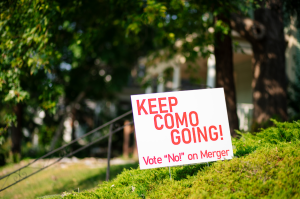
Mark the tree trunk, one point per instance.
(127, 130)
(225, 79)
(269, 78)
(16, 133)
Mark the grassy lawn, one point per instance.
(59, 178)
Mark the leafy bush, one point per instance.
(280, 133)
(268, 165)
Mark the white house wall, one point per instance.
(292, 52)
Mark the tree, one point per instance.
(52, 49)
(26, 51)
(57, 48)
(265, 33)
(190, 24)
(224, 68)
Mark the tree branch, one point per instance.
(249, 29)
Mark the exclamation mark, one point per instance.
(221, 134)
(180, 154)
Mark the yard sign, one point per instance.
(183, 127)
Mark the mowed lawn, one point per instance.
(58, 178)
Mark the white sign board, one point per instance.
(183, 127)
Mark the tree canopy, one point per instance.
(69, 49)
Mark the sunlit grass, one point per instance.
(57, 179)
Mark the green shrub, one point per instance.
(268, 172)
(184, 172)
(282, 132)
(265, 165)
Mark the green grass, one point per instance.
(266, 165)
(56, 180)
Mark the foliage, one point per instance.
(26, 49)
(26, 27)
(268, 165)
(280, 133)
(58, 49)
(53, 49)
(293, 9)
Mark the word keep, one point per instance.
(155, 105)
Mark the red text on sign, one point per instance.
(156, 105)
(174, 158)
(170, 121)
(196, 135)
(153, 160)
(213, 154)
